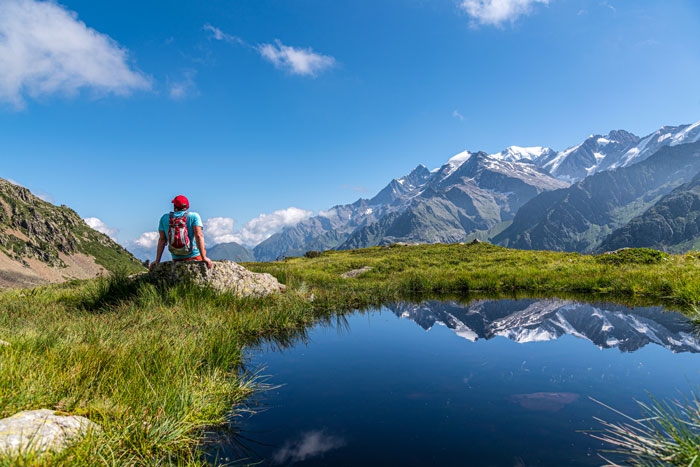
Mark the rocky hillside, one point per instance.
(672, 224)
(42, 243)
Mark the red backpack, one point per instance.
(178, 237)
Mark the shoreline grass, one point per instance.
(397, 270)
(156, 367)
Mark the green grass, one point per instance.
(633, 274)
(667, 434)
(155, 367)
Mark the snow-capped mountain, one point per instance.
(592, 155)
(537, 155)
(580, 217)
(665, 136)
(618, 148)
(522, 321)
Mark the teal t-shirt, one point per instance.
(193, 219)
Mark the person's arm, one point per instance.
(162, 241)
(199, 237)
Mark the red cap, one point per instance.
(181, 202)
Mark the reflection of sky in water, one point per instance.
(388, 391)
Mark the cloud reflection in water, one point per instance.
(310, 444)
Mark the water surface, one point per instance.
(492, 383)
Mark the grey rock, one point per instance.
(355, 272)
(41, 430)
(225, 276)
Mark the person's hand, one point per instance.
(208, 261)
(150, 266)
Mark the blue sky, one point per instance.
(255, 107)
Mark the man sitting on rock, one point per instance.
(182, 232)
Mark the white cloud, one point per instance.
(221, 229)
(220, 35)
(458, 115)
(297, 61)
(183, 87)
(45, 49)
(144, 247)
(100, 226)
(497, 12)
(147, 240)
(311, 444)
(608, 5)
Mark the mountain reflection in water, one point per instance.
(606, 325)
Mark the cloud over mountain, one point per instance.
(222, 229)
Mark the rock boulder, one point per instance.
(225, 276)
(355, 272)
(41, 430)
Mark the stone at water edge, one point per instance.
(355, 272)
(41, 430)
(225, 276)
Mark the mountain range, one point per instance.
(521, 197)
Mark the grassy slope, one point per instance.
(155, 367)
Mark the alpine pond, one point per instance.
(491, 382)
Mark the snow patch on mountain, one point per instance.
(665, 136)
(522, 154)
